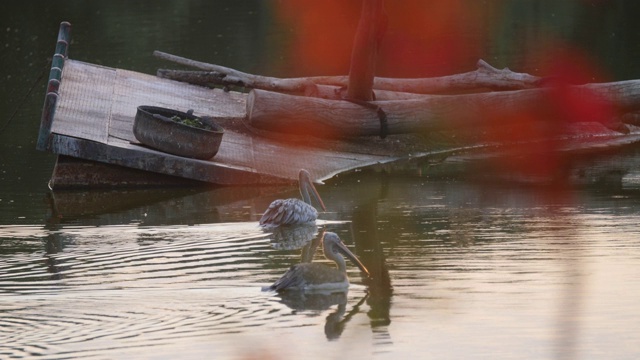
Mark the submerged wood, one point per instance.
(484, 77)
(321, 117)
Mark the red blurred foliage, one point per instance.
(324, 32)
(573, 67)
(431, 38)
(423, 38)
(434, 38)
(555, 111)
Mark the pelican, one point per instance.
(318, 277)
(294, 211)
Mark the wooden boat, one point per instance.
(88, 116)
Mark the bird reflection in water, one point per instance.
(291, 237)
(318, 301)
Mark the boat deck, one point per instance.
(96, 107)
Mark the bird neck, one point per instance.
(342, 265)
(305, 194)
(336, 257)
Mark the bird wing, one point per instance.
(301, 212)
(291, 279)
(288, 211)
(301, 276)
(274, 213)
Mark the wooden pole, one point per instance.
(55, 75)
(485, 77)
(365, 50)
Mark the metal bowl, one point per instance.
(153, 127)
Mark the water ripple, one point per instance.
(114, 257)
(115, 289)
(70, 320)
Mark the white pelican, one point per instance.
(319, 277)
(294, 211)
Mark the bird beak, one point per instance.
(345, 250)
(316, 196)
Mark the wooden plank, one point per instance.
(126, 154)
(138, 157)
(74, 173)
(133, 89)
(85, 102)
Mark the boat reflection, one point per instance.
(156, 206)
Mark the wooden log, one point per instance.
(208, 78)
(331, 118)
(334, 118)
(226, 76)
(485, 77)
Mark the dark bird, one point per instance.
(319, 277)
(294, 211)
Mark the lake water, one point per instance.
(465, 263)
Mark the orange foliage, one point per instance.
(571, 66)
(422, 38)
(429, 38)
(324, 32)
(550, 115)
(434, 38)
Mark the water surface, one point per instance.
(465, 263)
(459, 270)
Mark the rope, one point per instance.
(24, 98)
(382, 115)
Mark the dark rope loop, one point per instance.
(384, 125)
(382, 115)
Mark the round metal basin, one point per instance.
(154, 127)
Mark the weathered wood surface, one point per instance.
(94, 120)
(97, 105)
(74, 173)
(281, 112)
